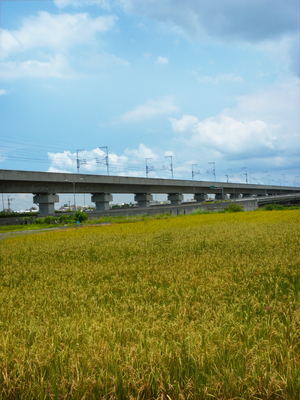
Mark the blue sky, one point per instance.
(201, 80)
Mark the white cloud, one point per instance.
(225, 134)
(220, 78)
(284, 51)
(142, 152)
(162, 60)
(57, 32)
(131, 163)
(62, 171)
(151, 109)
(56, 67)
(264, 124)
(61, 4)
(276, 104)
(94, 160)
(2, 91)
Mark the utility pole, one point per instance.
(195, 172)
(9, 200)
(104, 159)
(78, 161)
(169, 166)
(228, 169)
(246, 173)
(266, 181)
(214, 169)
(149, 169)
(74, 193)
(283, 178)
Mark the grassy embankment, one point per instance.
(202, 307)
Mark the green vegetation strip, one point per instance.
(200, 307)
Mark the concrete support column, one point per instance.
(175, 198)
(143, 199)
(199, 197)
(102, 201)
(46, 203)
(219, 196)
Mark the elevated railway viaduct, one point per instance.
(46, 187)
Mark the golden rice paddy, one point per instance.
(193, 307)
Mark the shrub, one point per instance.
(199, 211)
(234, 208)
(64, 219)
(80, 216)
(270, 207)
(38, 221)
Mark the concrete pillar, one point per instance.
(199, 197)
(46, 203)
(143, 199)
(175, 198)
(102, 201)
(219, 196)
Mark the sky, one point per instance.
(199, 85)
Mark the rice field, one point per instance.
(193, 307)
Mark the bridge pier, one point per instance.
(102, 201)
(200, 197)
(143, 199)
(175, 198)
(45, 202)
(219, 196)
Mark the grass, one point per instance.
(200, 307)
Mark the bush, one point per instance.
(199, 211)
(270, 207)
(234, 208)
(80, 216)
(39, 221)
(64, 219)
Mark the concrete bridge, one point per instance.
(45, 187)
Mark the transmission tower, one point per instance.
(104, 159)
(169, 167)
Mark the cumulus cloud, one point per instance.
(2, 91)
(142, 152)
(56, 32)
(226, 135)
(56, 67)
(162, 60)
(91, 161)
(264, 124)
(131, 163)
(152, 108)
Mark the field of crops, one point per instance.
(193, 307)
